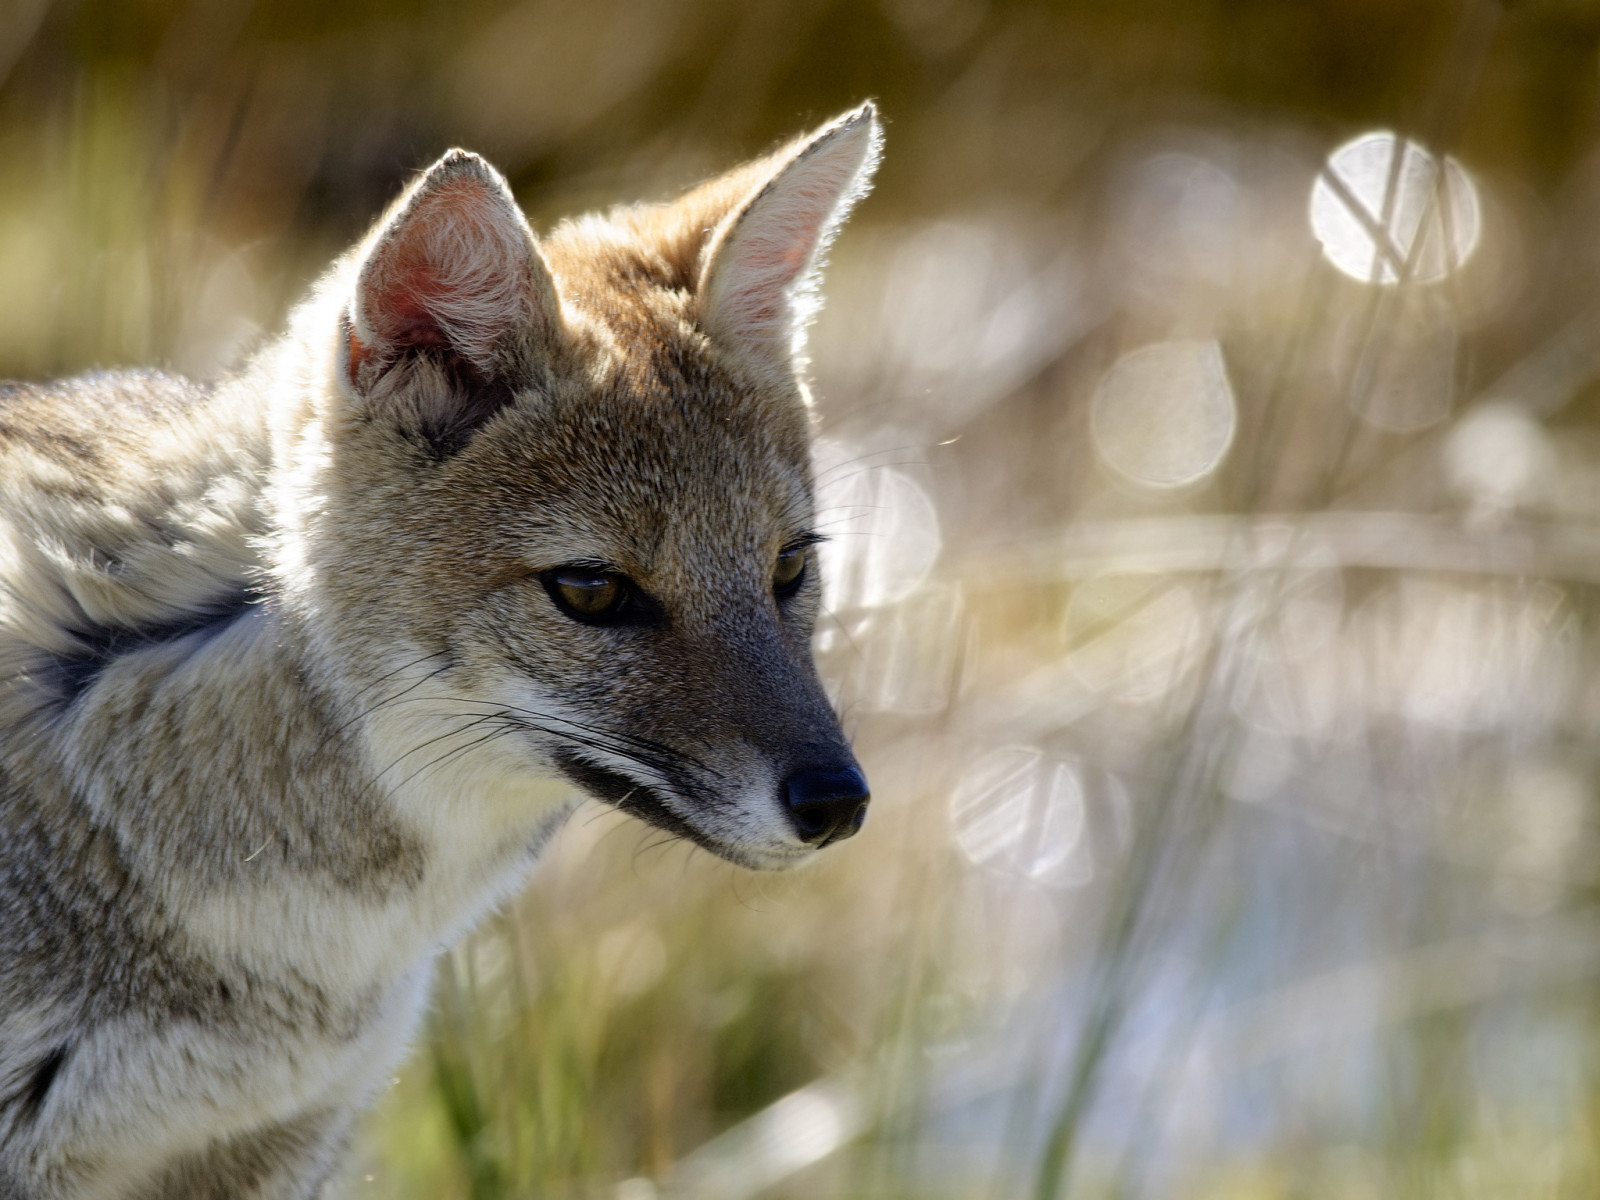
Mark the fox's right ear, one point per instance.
(452, 267)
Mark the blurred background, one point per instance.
(1210, 441)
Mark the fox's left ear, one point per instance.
(757, 285)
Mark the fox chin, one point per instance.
(299, 669)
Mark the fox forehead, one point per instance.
(659, 459)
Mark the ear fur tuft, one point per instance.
(759, 269)
(452, 267)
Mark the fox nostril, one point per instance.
(826, 804)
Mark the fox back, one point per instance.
(299, 671)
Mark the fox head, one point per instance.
(552, 499)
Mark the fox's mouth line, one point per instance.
(634, 798)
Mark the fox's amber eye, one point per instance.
(791, 567)
(591, 595)
(597, 597)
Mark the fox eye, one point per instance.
(791, 569)
(597, 597)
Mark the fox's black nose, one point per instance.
(826, 804)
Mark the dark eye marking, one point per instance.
(599, 595)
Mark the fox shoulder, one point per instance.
(128, 501)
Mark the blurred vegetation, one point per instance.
(1216, 619)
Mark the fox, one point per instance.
(302, 668)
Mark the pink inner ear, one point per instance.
(415, 298)
(450, 274)
(770, 265)
(783, 259)
(777, 264)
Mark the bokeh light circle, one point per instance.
(1021, 813)
(882, 528)
(1384, 209)
(1164, 414)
